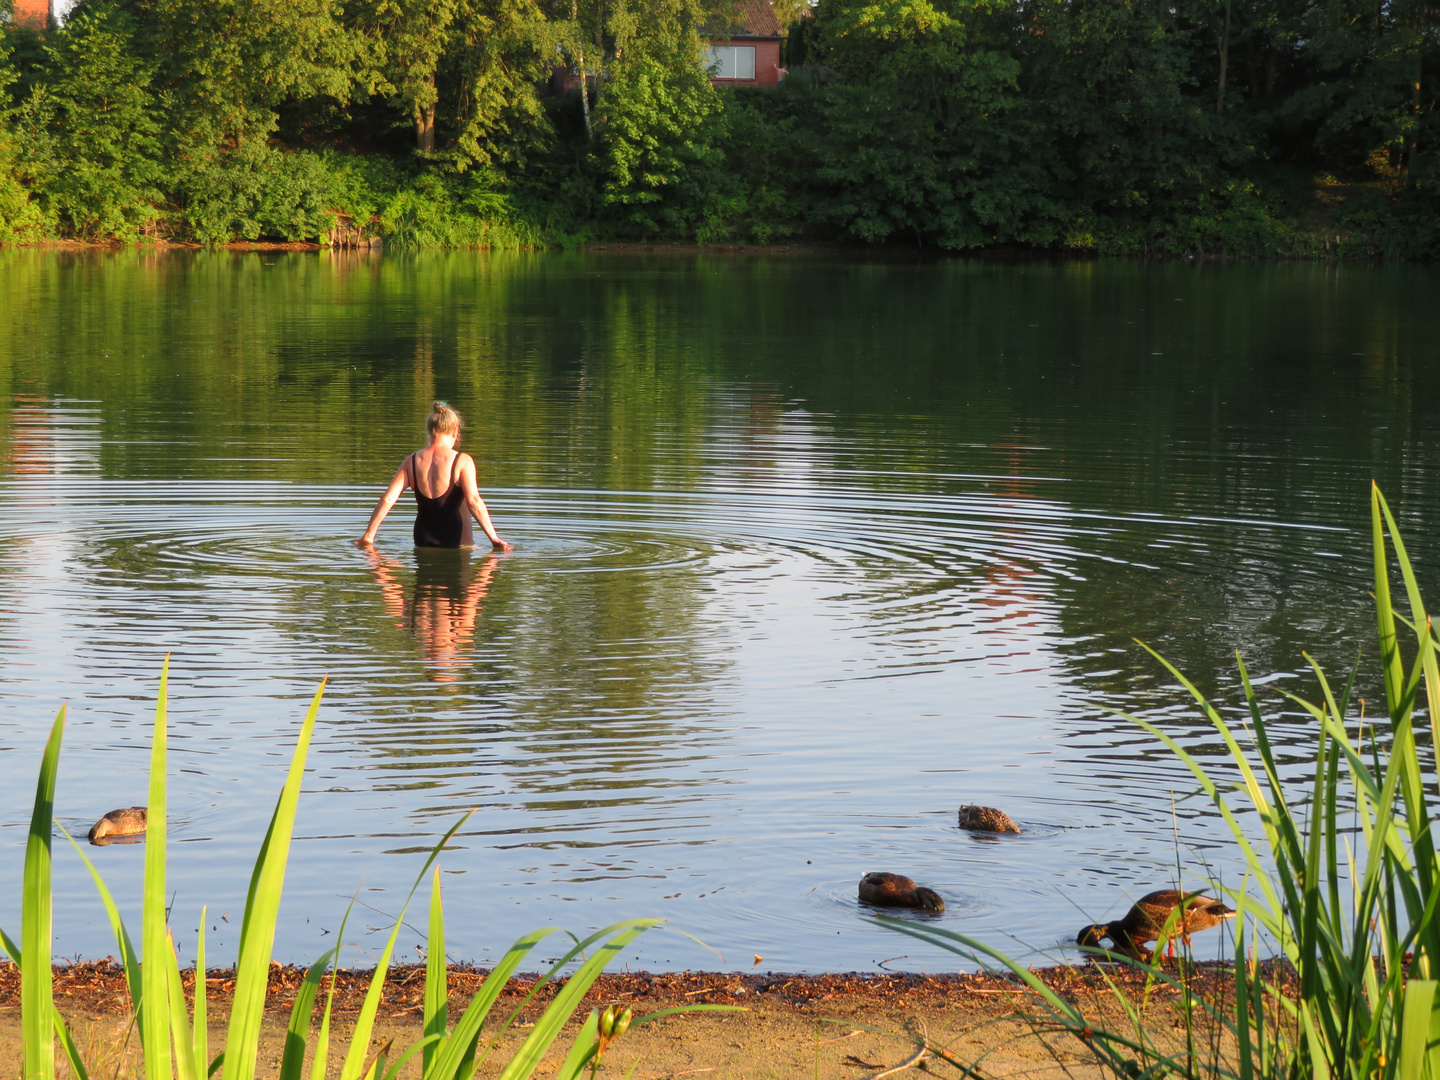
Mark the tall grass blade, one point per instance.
(1415, 1028)
(154, 933)
(77, 1066)
(292, 1063)
(456, 1057)
(72, 1052)
(200, 1045)
(410, 1051)
(37, 1003)
(320, 1061)
(262, 908)
(610, 941)
(185, 1064)
(583, 1049)
(129, 958)
(437, 987)
(360, 1038)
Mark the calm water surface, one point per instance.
(807, 554)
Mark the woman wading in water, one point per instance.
(440, 518)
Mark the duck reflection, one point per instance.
(442, 605)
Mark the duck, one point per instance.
(896, 890)
(1146, 920)
(986, 819)
(127, 822)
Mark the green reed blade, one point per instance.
(320, 1061)
(129, 959)
(37, 1002)
(200, 1049)
(77, 1066)
(1402, 557)
(585, 1046)
(72, 1052)
(377, 1063)
(292, 1062)
(437, 988)
(410, 1051)
(457, 1051)
(610, 941)
(185, 1065)
(360, 1036)
(1245, 1052)
(1103, 1044)
(154, 994)
(1384, 617)
(262, 908)
(583, 1049)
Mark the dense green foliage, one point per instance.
(1255, 127)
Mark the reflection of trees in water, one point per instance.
(616, 677)
(1277, 393)
(1197, 593)
(560, 682)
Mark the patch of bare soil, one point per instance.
(846, 1025)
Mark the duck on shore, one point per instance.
(986, 819)
(130, 821)
(1147, 917)
(896, 890)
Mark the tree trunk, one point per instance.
(425, 120)
(585, 99)
(1224, 62)
(584, 79)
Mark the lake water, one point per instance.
(807, 553)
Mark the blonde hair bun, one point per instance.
(444, 421)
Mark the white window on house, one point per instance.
(731, 61)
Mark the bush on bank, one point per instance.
(1280, 128)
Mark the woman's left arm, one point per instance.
(477, 505)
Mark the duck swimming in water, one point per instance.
(895, 890)
(986, 819)
(1146, 920)
(128, 822)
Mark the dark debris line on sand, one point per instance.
(100, 985)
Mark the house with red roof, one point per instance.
(743, 50)
(747, 52)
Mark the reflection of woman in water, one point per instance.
(443, 607)
(440, 518)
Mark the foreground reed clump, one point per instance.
(1345, 885)
(174, 1038)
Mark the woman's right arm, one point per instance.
(397, 485)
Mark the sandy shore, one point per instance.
(852, 1026)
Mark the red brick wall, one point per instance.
(767, 62)
(32, 13)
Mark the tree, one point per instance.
(21, 217)
(102, 113)
(408, 39)
(920, 136)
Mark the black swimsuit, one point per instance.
(439, 522)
